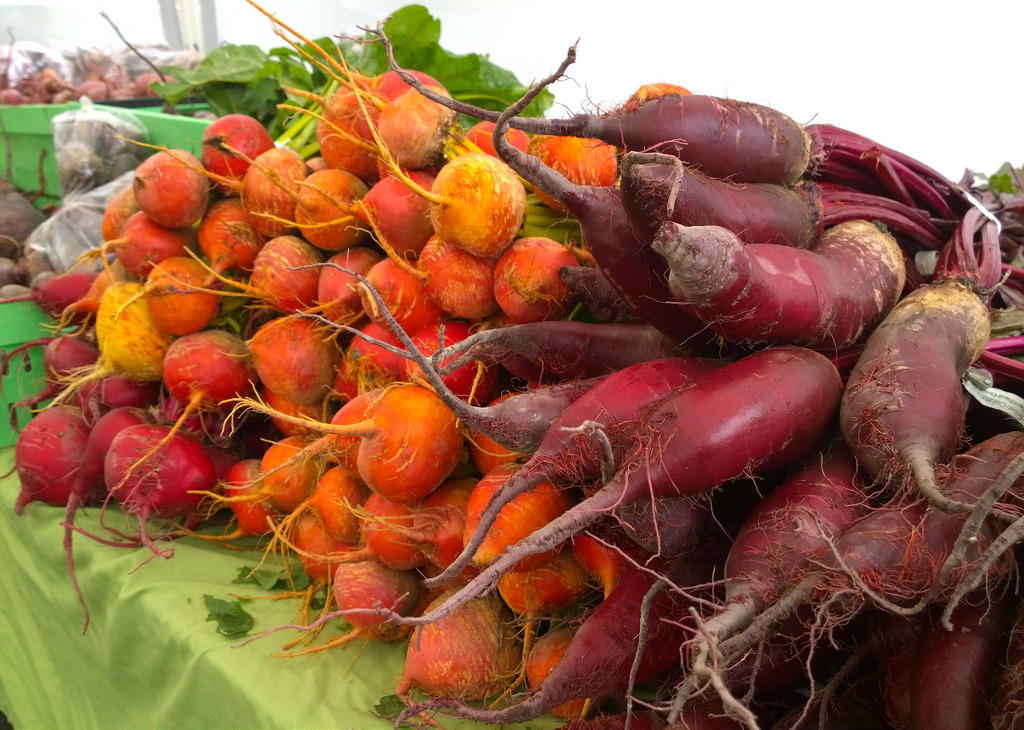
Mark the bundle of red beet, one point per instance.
(642, 419)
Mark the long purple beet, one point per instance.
(698, 438)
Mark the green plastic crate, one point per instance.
(31, 148)
(21, 322)
(31, 144)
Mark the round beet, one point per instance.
(365, 584)
(175, 295)
(471, 654)
(172, 188)
(526, 282)
(269, 191)
(226, 238)
(294, 359)
(277, 279)
(155, 472)
(399, 217)
(146, 243)
(47, 456)
(231, 143)
(324, 210)
(336, 291)
(206, 369)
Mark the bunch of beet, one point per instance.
(639, 417)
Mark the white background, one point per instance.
(940, 81)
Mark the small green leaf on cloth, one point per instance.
(232, 620)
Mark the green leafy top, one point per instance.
(1006, 180)
(245, 79)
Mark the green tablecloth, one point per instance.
(149, 658)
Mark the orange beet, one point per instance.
(472, 382)
(276, 278)
(230, 144)
(471, 654)
(517, 519)
(287, 486)
(462, 284)
(526, 282)
(324, 210)
(581, 160)
(414, 446)
(604, 563)
(270, 188)
(397, 214)
(174, 297)
(294, 359)
(544, 655)
(336, 291)
(146, 243)
(337, 493)
(442, 517)
(283, 405)
(557, 584)
(344, 135)
(482, 135)
(414, 129)
(369, 583)
(171, 188)
(315, 546)
(227, 238)
(649, 91)
(116, 213)
(251, 514)
(386, 530)
(405, 296)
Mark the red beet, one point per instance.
(47, 456)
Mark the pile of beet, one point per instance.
(642, 419)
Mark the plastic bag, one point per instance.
(122, 66)
(94, 146)
(77, 226)
(160, 56)
(24, 60)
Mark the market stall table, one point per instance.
(149, 657)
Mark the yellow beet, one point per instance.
(479, 204)
(129, 341)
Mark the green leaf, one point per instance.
(227, 98)
(1002, 183)
(1004, 180)
(172, 91)
(232, 620)
(270, 579)
(390, 707)
(264, 93)
(228, 62)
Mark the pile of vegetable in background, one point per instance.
(32, 73)
(656, 417)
